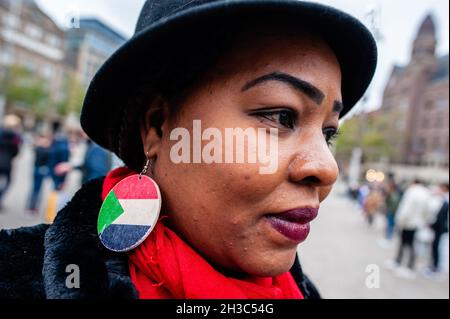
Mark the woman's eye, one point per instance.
(284, 118)
(330, 135)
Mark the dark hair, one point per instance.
(56, 127)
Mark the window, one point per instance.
(33, 31)
(404, 104)
(7, 56)
(54, 41)
(30, 65)
(443, 103)
(439, 120)
(11, 21)
(419, 145)
(429, 105)
(436, 143)
(47, 72)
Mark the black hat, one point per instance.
(352, 43)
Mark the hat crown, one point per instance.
(155, 10)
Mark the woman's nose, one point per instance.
(314, 164)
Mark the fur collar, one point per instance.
(73, 240)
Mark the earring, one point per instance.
(129, 212)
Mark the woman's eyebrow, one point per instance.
(305, 87)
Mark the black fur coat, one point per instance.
(34, 261)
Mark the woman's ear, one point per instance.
(153, 126)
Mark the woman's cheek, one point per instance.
(245, 184)
(324, 192)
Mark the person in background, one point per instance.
(97, 163)
(411, 215)
(353, 191)
(41, 170)
(439, 226)
(392, 202)
(362, 194)
(59, 153)
(373, 203)
(10, 142)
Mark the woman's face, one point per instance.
(225, 210)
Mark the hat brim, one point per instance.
(351, 41)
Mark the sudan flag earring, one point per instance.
(129, 212)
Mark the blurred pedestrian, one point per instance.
(392, 202)
(412, 214)
(353, 191)
(373, 203)
(10, 142)
(59, 153)
(439, 227)
(97, 163)
(40, 170)
(363, 192)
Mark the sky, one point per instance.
(396, 20)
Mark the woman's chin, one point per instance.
(270, 266)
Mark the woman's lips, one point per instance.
(293, 224)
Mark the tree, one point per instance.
(348, 139)
(73, 96)
(375, 146)
(24, 88)
(373, 139)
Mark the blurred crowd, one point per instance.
(417, 213)
(56, 154)
(10, 142)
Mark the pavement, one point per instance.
(342, 255)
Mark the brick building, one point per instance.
(89, 45)
(30, 39)
(416, 104)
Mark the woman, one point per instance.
(286, 70)
(373, 203)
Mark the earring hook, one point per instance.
(146, 166)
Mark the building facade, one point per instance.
(62, 62)
(88, 45)
(416, 104)
(31, 40)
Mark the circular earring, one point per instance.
(129, 212)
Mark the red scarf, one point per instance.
(165, 266)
